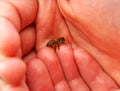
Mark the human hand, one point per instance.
(16, 33)
(77, 35)
(48, 25)
(67, 69)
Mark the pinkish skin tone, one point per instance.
(88, 62)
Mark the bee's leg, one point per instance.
(58, 46)
(54, 47)
(63, 43)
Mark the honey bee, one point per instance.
(56, 43)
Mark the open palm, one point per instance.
(77, 65)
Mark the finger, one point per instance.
(12, 19)
(70, 69)
(91, 72)
(38, 78)
(19, 12)
(20, 87)
(9, 39)
(12, 70)
(27, 37)
(50, 59)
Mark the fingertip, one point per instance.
(46, 52)
(9, 38)
(92, 72)
(34, 66)
(66, 56)
(82, 57)
(12, 70)
(81, 54)
(20, 87)
(86, 64)
(49, 57)
(27, 38)
(38, 77)
(65, 47)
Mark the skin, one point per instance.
(89, 61)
